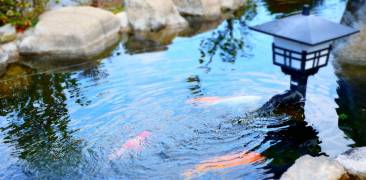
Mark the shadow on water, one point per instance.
(36, 110)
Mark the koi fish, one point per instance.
(224, 100)
(135, 144)
(223, 162)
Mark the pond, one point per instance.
(157, 108)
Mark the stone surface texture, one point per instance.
(315, 168)
(8, 53)
(232, 4)
(209, 9)
(205, 8)
(122, 16)
(153, 15)
(71, 33)
(354, 161)
(7, 33)
(353, 50)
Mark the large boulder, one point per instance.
(354, 161)
(315, 168)
(353, 49)
(153, 15)
(71, 33)
(7, 33)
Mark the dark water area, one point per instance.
(185, 98)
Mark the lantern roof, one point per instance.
(305, 29)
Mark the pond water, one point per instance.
(131, 116)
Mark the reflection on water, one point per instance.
(286, 6)
(352, 103)
(66, 121)
(37, 118)
(228, 42)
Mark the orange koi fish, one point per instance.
(223, 162)
(224, 100)
(135, 144)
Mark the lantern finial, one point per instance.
(306, 10)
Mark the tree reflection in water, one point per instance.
(195, 85)
(38, 120)
(227, 43)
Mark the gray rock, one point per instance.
(315, 168)
(232, 4)
(7, 33)
(71, 33)
(153, 15)
(354, 161)
(3, 57)
(210, 9)
(353, 49)
(8, 53)
(122, 16)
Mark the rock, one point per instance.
(153, 15)
(354, 161)
(232, 4)
(122, 16)
(8, 54)
(11, 50)
(7, 33)
(3, 57)
(315, 168)
(71, 33)
(353, 49)
(209, 9)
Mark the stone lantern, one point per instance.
(302, 44)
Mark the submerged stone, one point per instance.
(315, 168)
(71, 33)
(354, 161)
(15, 78)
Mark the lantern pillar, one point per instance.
(299, 83)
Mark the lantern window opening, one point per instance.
(300, 61)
